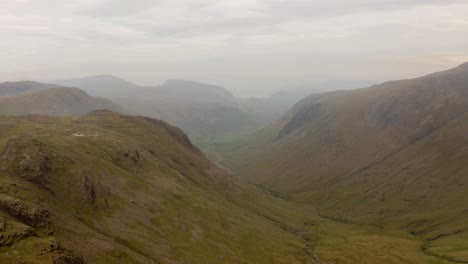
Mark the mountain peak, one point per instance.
(464, 66)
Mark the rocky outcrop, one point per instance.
(31, 215)
(13, 232)
(28, 158)
(62, 255)
(128, 156)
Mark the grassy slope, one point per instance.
(166, 204)
(392, 155)
(171, 206)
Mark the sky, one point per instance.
(250, 47)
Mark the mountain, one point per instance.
(393, 155)
(291, 95)
(190, 91)
(204, 111)
(107, 86)
(209, 114)
(110, 86)
(263, 108)
(52, 101)
(14, 88)
(110, 188)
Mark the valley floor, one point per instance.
(333, 241)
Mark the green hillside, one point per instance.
(108, 188)
(393, 155)
(133, 190)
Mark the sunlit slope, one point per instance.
(54, 101)
(393, 154)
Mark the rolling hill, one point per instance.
(52, 101)
(393, 155)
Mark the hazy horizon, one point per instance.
(252, 48)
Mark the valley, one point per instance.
(374, 175)
(233, 132)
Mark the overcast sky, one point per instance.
(251, 47)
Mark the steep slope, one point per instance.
(15, 88)
(130, 190)
(394, 154)
(53, 101)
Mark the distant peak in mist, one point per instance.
(464, 66)
(102, 78)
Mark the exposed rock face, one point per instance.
(27, 158)
(13, 233)
(32, 215)
(89, 190)
(127, 156)
(68, 259)
(62, 255)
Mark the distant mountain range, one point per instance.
(24, 98)
(374, 175)
(209, 114)
(393, 155)
(15, 88)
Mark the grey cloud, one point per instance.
(330, 8)
(116, 8)
(244, 26)
(259, 43)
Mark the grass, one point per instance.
(391, 156)
(170, 205)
